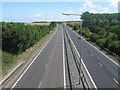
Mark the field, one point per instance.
(37, 24)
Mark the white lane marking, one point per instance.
(64, 63)
(95, 48)
(102, 53)
(32, 62)
(83, 63)
(39, 85)
(100, 64)
(89, 74)
(115, 80)
(46, 66)
(91, 55)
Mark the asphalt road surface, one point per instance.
(103, 71)
(48, 69)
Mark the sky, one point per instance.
(52, 11)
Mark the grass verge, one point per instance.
(8, 60)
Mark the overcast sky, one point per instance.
(52, 11)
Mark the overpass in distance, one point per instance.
(58, 65)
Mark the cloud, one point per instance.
(80, 9)
(119, 7)
(114, 3)
(93, 11)
(105, 10)
(100, 10)
(70, 11)
(38, 15)
(89, 4)
(94, 8)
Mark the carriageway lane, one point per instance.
(47, 71)
(103, 71)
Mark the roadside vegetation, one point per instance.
(17, 38)
(103, 30)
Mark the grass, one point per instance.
(8, 60)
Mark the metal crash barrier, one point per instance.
(78, 74)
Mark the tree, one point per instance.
(114, 46)
(86, 32)
(52, 25)
(94, 37)
(102, 32)
(17, 37)
(114, 22)
(105, 29)
(101, 42)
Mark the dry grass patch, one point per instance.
(37, 24)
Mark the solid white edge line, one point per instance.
(83, 64)
(96, 48)
(64, 63)
(115, 80)
(89, 74)
(32, 62)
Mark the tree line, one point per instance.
(17, 37)
(103, 29)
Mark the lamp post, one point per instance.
(80, 23)
(78, 38)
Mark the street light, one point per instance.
(78, 38)
(67, 14)
(71, 14)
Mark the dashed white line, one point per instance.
(46, 66)
(115, 80)
(39, 85)
(100, 64)
(91, 55)
(103, 53)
